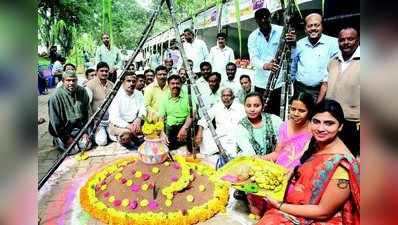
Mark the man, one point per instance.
(211, 97)
(246, 88)
(195, 48)
(227, 114)
(174, 54)
(174, 110)
(168, 63)
(70, 67)
(140, 82)
(90, 74)
(154, 92)
(154, 59)
(68, 110)
(262, 45)
(109, 54)
(201, 82)
(97, 90)
(220, 55)
(149, 76)
(344, 86)
(183, 74)
(58, 68)
(311, 57)
(231, 82)
(53, 55)
(125, 114)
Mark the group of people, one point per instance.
(318, 142)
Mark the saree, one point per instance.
(292, 147)
(314, 176)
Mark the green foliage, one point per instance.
(82, 42)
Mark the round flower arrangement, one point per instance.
(153, 126)
(132, 192)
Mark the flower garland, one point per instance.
(101, 212)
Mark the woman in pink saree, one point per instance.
(325, 186)
(294, 136)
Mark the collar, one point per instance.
(272, 32)
(355, 56)
(179, 96)
(155, 84)
(221, 49)
(232, 106)
(125, 93)
(322, 40)
(99, 82)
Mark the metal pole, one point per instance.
(104, 106)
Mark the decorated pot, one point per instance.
(153, 151)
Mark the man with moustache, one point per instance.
(97, 89)
(174, 110)
(344, 86)
(149, 76)
(195, 48)
(311, 57)
(231, 80)
(154, 91)
(220, 55)
(68, 110)
(263, 45)
(109, 54)
(246, 88)
(125, 114)
(201, 82)
(140, 82)
(226, 114)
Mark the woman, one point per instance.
(326, 184)
(256, 134)
(294, 135)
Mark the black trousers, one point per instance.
(350, 136)
(174, 143)
(274, 103)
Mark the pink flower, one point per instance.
(145, 176)
(106, 194)
(123, 180)
(176, 166)
(117, 202)
(174, 178)
(153, 205)
(133, 204)
(135, 188)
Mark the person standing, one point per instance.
(311, 57)
(220, 55)
(195, 48)
(263, 45)
(344, 86)
(109, 54)
(154, 91)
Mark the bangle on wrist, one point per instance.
(280, 205)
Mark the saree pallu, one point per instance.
(314, 176)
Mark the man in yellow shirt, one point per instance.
(154, 91)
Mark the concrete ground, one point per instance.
(59, 197)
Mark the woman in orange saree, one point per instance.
(326, 184)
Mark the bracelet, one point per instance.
(280, 205)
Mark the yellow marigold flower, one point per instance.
(155, 170)
(118, 176)
(129, 183)
(189, 198)
(125, 202)
(144, 187)
(138, 174)
(103, 187)
(144, 203)
(111, 199)
(168, 202)
(202, 188)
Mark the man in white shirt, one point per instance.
(109, 54)
(227, 114)
(220, 55)
(125, 113)
(232, 81)
(195, 49)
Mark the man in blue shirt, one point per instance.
(311, 57)
(263, 45)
